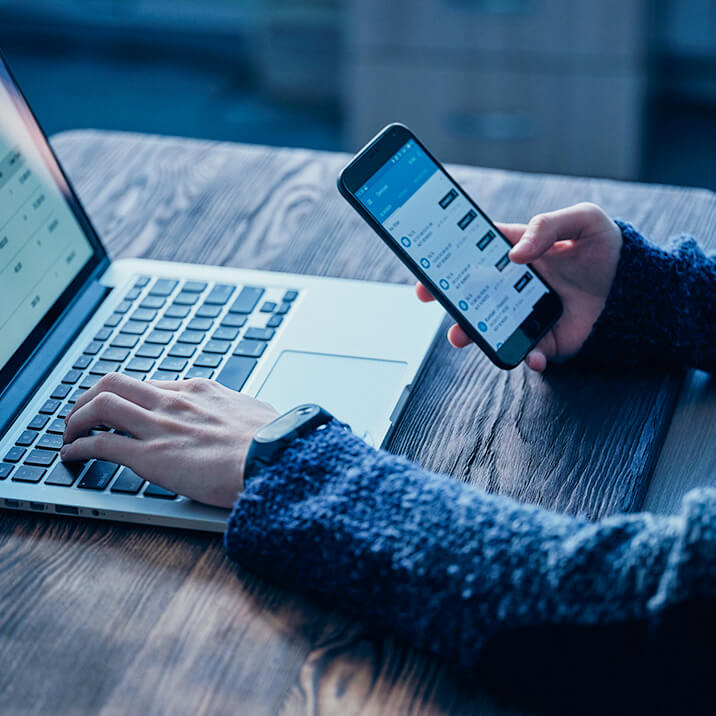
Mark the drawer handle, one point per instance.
(491, 125)
(495, 7)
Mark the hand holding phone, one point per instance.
(577, 250)
(449, 243)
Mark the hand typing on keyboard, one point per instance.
(188, 436)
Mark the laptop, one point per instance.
(69, 315)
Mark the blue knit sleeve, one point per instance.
(448, 566)
(661, 309)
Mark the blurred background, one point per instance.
(613, 88)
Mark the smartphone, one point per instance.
(449, 243)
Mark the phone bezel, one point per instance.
(372, 157)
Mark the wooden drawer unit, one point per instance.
(562, 122)
(601, 28)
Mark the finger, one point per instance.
(128, 388)
(105, 446)
(543, 230)
(512, 232)
(536, 360)
(423, 294)
(457, 337)
(111, 410)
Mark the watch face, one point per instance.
(287, 423)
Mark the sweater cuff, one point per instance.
(299, 472)
(642, 319)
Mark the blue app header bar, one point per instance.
(396, 181)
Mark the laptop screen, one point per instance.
(43, 244)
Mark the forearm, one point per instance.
(443, 564)
(661, 308)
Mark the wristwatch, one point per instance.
(274, 437)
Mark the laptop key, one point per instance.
(290, 296)
(207, 360)
(144, 314)
(98, 476)
(134, 328)
(159, 492)
(168, 324)
(268, 307)
(207, 310)
(5, 470)
(175, 311)
(220, 347)
(200, 324)
(160, 337)
(65, 411)
(103, 334)
(283, 308)
(50, 407)
(123, 307)
(82, 362)
(182, 350)
(102, 367)
(127, 482)
(224, 333)
(64, 474)
(92, 348)
(57, 426)
(274, 322)
(61, 391)
(141, 281)
(259, 334)
(114, 320)
(220, 294)
(77, 394)
(185, 299)
(153, 302)
(27, 437)
(233, 320)
(163, 287)
(194, 337)
(199, 372)
(140, 365)
(25, 473)
(149, 350)
(41, 458)
(38, 422)
(124, 340)
(174, 364)
(249, 348)
(14, 454)
(50, 442)
(72, 376)
(194, 286)
(236, 372)
(132, 294)
(164, 375)
(246, 300)
(115, 354)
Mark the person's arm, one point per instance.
(661, 308)
(448, 566)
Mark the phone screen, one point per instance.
(454, 244)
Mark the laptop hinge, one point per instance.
(22, 387)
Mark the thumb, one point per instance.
(544, 230)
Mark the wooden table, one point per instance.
(101, 617)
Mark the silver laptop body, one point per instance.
(69, 315)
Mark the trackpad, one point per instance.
(359, 391)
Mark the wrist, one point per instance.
(272, 439)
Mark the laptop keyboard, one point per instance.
(164, 329)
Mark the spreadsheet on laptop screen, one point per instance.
(42, 246)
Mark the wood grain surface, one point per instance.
(106, 618)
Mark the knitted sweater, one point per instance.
(553, 611)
